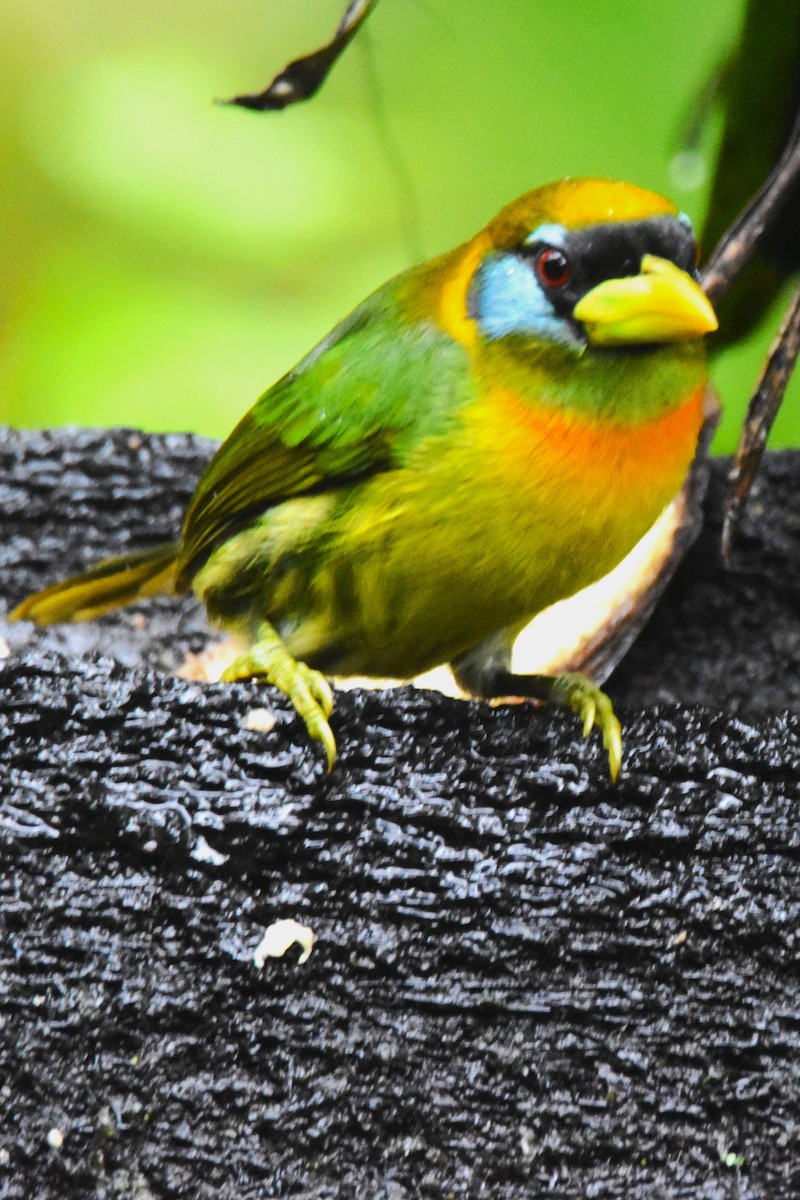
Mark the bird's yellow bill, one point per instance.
(661, 304)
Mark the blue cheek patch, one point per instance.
(505, 298)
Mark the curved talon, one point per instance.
(319, 729)
(239, 669)
(320, 689)
(307, 689)
(312, 698)
(612, 740)
(594, 709)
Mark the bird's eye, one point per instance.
(552, 268)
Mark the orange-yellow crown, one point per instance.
(575, 203)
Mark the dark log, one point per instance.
(525, 982)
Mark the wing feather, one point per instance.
(351, 408)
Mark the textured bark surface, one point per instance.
(525, 982)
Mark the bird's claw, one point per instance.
(312, 698)
(307, 689)
(594, 709)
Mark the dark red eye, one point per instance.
(552, 268)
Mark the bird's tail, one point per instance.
(113, 583)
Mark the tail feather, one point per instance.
(113, 583)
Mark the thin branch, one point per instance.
(741, 240)
(304, 76)
(761, 414)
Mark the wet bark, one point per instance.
(524, 983)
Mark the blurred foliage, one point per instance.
(164, 259)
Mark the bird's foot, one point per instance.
(484, 675)
(594, 708)
(307, 689)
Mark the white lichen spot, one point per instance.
(260, 720)
(279, 937)
(55, 1138)
(204, 853)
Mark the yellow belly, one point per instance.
(484, 531)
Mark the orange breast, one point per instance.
(635, 459)
(592, 488)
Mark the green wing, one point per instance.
(353, 407)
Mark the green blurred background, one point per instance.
(164, 259)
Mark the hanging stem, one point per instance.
(761, 414)
(741, 240)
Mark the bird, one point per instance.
(486, 434)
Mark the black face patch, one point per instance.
(613, 251)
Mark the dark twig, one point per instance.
(305, 76)
(728, 260)
(742, 239)
(761, 413)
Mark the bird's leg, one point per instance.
(491, 679)
(308, 690)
